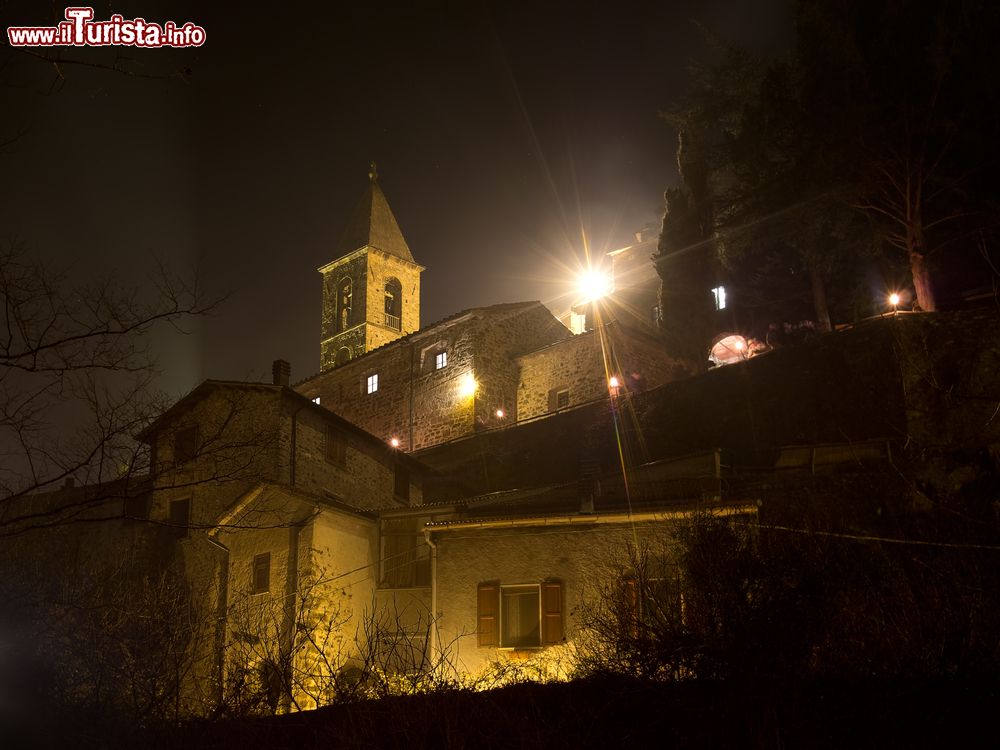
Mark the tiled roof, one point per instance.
(373, 225)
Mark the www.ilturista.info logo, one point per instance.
(80, 30)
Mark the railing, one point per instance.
(393, 321)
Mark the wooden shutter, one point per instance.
(488, 613)
(552, 613)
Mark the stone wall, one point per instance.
(365, 479)
(581, 366)
(381, 267)
(583, 558)
(236, 447)
(422, 406)
(354, 267)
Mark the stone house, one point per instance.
(267, 494)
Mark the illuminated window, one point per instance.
(440, 360)
(519, 616)
(719, 293)
(372, 383)
(520, 619)
(316, 400)
(261, 581)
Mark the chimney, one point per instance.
(281, 372)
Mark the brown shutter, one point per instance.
(552, 613)
(488, 613)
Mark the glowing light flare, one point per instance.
(613, 382)
(500, 413)
(740, 345)
(467, 386)
(894, 299)
(394, 442)
(594, 284)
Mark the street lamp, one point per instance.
(593, 284)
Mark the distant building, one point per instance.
(482, 368)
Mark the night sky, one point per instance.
(500, 131)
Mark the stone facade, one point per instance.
(579, 368)
(578, 558)
(421, 399)
(271, 481)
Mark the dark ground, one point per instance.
(613, 712)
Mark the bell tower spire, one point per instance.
(371, 290)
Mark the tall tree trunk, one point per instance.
(922, 280)
(819, 299)
(915, 247)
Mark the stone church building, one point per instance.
(479, 369)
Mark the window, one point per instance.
(336, 446)
(261, 581)
(180, 517)
(317, 400)
(520, 623)
(185, 444)
(558, 399)
(440, 360)
(393, 304)
(719, 293)
(372, 383)
(519, 616)
(401, 483)
(653, 598)
(406, 561)
(344, 297)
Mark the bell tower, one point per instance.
(371, 291)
